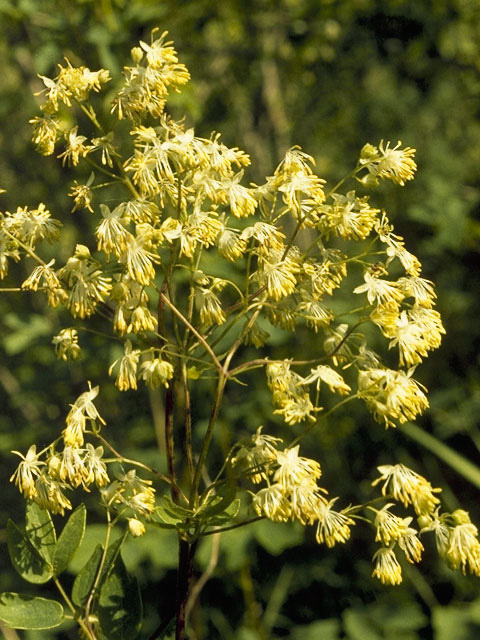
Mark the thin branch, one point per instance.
(202, 581)
(169, 442)
(200, 338)
(136, 463)
(232, 526)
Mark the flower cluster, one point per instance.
(292, 492)
(45, 477)
(187, 264)
(456, 536)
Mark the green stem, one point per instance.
(25, 247)
(76, 616)
(135, 463)
(188, 419)
(193, 330)
(222, 379)
(459, 463)
(322, 417)
(232, 526)
(96, 582)
(169, 441)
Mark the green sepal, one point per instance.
(120, 604)
(28, 612)
(70, 539)
(25, 557)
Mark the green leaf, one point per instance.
(230, 512)
(324, 629)
(24, 332)
(40, 531)
(175, 510)
(120, 605)
(453, 622)
(167, 521)
(29, 612)
(85, 579)
(70, 539)
(359, 626)
(275, 537)
(111, 556)
(169, 633)
(26, 559)
(220, 501)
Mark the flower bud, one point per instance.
(136, 527)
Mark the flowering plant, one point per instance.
(298, 253)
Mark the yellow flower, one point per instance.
(293, 468)
(75, 149)
(316, 315)
(408, 487)
(305, 497)
(139, 259)
(241, 200)
(137, 493)
(348, 217)
(277, 274)
(378, 290)
(49, 494)
(395, 164)
(334, 381)
(27, 471)
(255, 457)
(142, 319)
(45, 134)
(94, 469)
(88, 286)
(391, 395)
(230, 245)
(387, 568)
(389, 526)
(127, 374)
(211, 311)
(66, 344)
(273, 502)
(333, 526)
(411, 545)
(71, 465)
(464, 547)
(156, 372)
(112, 235)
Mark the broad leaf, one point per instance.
(40, 531)
(220, 501)
(86, 578)
(70, 539)
(112, 554)
(175, 510)
(28, 612)
(84, 581)
(26, 559)
(120, 605)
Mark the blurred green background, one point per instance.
(329, 76)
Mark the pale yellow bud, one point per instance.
(136, 527)
(137, 54)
